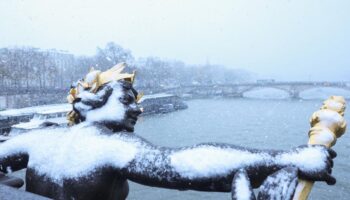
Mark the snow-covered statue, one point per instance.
(93, 158)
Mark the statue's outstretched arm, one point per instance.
(204, 167)
(211, 167)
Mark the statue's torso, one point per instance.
(102, 184)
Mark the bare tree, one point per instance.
(111, 55)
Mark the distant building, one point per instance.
(64, 62)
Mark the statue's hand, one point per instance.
(314, 162)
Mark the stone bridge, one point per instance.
(237, 90)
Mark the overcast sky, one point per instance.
(286, 40)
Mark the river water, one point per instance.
(266, 124)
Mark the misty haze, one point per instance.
(249, 73)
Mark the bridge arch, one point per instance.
(268, 92)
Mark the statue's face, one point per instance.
(114, 105)
(132, 110)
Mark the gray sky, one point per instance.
(282, 39)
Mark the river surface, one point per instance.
(277, 124)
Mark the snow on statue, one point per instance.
(93, 158)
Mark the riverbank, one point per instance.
(33, 117)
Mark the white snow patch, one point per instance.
(242, 188)
(323, 136)
(334, 104)
(113, 110)
(4, 138)
(329, 117)
(206, 161)
(306, 159)
(71, 152)
(8, 169)
(91, 76)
